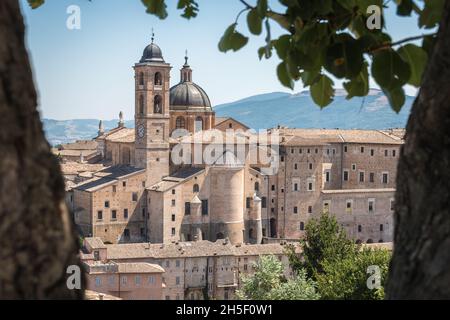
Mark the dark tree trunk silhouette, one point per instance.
(37, 241)
(420, 265)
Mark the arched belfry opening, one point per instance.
(158, 79)
(157, 105)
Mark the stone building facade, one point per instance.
(144, 195)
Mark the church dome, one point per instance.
(187, 95)
(152, 53)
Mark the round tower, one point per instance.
(227, 205)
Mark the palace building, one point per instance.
(140, 194)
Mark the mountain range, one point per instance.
(267, 111)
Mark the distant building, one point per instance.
(141, 195)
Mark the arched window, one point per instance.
(141, 78)
(141, 104)
(180, 123)
(256, 186)
(198, 124)
(157, 106)
(158, 79)
(196, 188)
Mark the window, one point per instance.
(204, 207)
(311, 184)
(99, 215)
(173, 191)
(295, 209)
(187, 209)
(125, 213)
(114, 188)
(381, 227)
(126, 233)
(300, 150)
(143, 184)
(282, 158)
(362, 149)
(392, 205)
(316, 150)
(371, 205)
(361, 176)
(386, 152)
(173, 217)
(394, 153)
(292, 150)
(157, 104)
(295, 165)
(198, 124)
(114, 214)
(256, 186)
(308, 150)
(273, 187)
(141, 78)
(141, 104)
(177, 280)
(309, 209)
(142, 232)
(124, 184)
(353, 167)
(372, 177)
(195, 188)
(106, 204)
(151, 279)
(372, 152)
(173, 202)
(349, 206)
(345, 176)
(302, 226)
(137, 280)
(134, 196)
(180, 123)
(327, 176)
(263, 202)
(124, 280)
(111, 280)
(385, 178)
(310, 165)
(345, 149)
(96, 255)
(230, 125)
(359, 228)
(247, 202)
(98, 281)
(173, 232)
(158, 79)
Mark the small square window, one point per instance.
(114, 214)
(309, 209)
(362, 149)
(295, 209)
(114, 188)
(173, 191)
(134, 196)
(372, 152)
(99, 215)
(125, 213)
(173, 232)
(345, 148)
(106, 204)
(124, 184)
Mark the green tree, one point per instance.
(347, 278)
(269, 283)
(324, 241)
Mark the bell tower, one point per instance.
(152, 94)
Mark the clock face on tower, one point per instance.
(141, 131)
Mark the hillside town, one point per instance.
(159, 222)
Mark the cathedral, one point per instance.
(140, 194)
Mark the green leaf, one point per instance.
(254, 22)
(396, 97)
(190, 8)
(431, 13)
(232, 40)
(358, 86)
(156, 7)
(282, 45)
(322, 91)
(417, 59)
(284, 77)
(404, 7)
(282, 20)
(310, 77)
(261, 6)
(35, 3)
(344, 58)
(389, 70)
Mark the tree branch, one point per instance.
(392, 44)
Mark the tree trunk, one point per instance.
(37, 241)
(420, 267)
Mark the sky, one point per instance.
(87, 73)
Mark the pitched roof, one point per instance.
(175, 179)
(123, 135)
(107, 177)
(80, 145)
